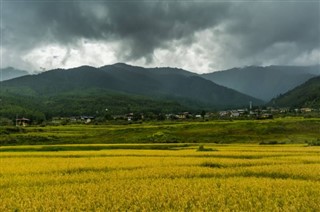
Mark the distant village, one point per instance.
(267, 113)
(241, 113)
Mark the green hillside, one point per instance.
(305, 95)
(94, 102)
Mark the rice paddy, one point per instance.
(243, 177)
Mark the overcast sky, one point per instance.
(200, 36)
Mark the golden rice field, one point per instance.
(234, 178)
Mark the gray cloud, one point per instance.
(142, 26)
(264, 24)
(245, 33)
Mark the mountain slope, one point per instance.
(166, 83)
(10, 73)
(305, 95)
(91, 102)
(264, 82)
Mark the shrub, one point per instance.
(314, 143)
(271, 142)
(5, 122)
(203, 149)
(161, 137)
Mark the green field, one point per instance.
(282, 130)
(231, 178)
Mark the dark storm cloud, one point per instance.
(142, 26)
(259, 26)
(245, 31)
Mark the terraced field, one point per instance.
(170, 178)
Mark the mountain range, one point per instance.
(120, 88)
(264, 82)
(161, 83)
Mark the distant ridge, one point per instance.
(264, 82)
(11, 73)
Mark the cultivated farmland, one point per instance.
(240, 177)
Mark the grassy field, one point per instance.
(164, 177)
(282, 130)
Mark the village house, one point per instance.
(223, 113)
(265, 116)
(306, 110)
(22, 122)
(234, 113)
(183, 115)
(129, 116)
(87, 119)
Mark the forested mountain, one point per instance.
(10, 73)
(305, 95)
(162, 83)
(264, 82)
(87, 89)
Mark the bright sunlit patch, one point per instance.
(85, 53)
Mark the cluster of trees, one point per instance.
(102, 106)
